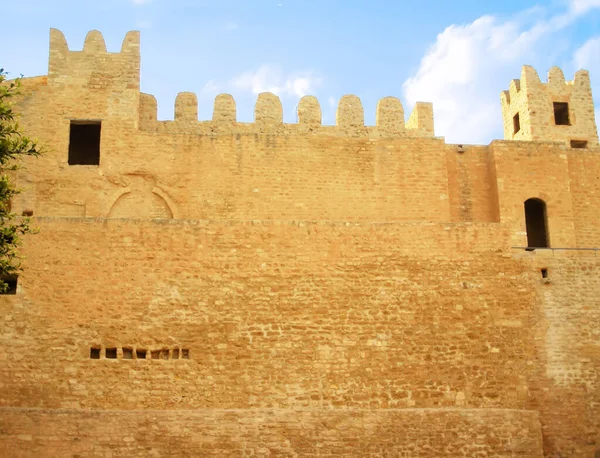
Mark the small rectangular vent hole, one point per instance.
(94, 353)
(11, 282)
(140, 354)
(127, 353)
(155, 354)
(185, 354)
(164, 354)
(579, 144)
(544, 273)
(111, 353)
(176, 353)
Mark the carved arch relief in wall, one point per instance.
(142, 199)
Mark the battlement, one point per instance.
(94, 69)
(268, 116)
(557, 110)
(94, 61)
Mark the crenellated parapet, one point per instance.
(557, 110)
(268, 116)
(105, 86)
(94, 66)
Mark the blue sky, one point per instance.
(458, 55)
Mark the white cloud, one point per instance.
(272, 78)
(583, 6)
(468, 65)
(210, 89)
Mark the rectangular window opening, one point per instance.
(84, 143)
(561, 114)
(140, 353)
(164, 354)
(11, 284)
(95, 353)
(127, 353)
(176, 353)
(579, 144)
(544, 273)
(155, 354)
(185, 354)
(516, 123)
(111, 353)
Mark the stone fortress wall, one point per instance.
(218, 288)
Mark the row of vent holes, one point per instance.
(128, 353)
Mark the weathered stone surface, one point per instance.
(215, 288)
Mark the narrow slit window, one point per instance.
(516, 123)
(84, 143)
(579, 144)
(561, 114)
(544, 273)
(11, 284)
(536, 224)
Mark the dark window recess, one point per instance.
(95, 353)
(111, 353)
(516, 123)
(544, 273)
(155, 354)
(11, 284)
(176, 353)
(535, 221)
(561, 114)
(185, 354)
(164, 354)
(84, 143)
(27, 213)
(579, 144)
(140, 354)
(127, 353)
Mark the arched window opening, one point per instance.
(536, 223)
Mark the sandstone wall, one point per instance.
(268, 432)
(244, 289)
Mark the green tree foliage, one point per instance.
(14, 145)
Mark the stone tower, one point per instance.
(559, 110)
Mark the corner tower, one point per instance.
(559, 110)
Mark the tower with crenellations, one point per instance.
(557, 110)
(230, 289)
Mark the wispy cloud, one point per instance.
(272, 78)
(582, 6)
(467, 66)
